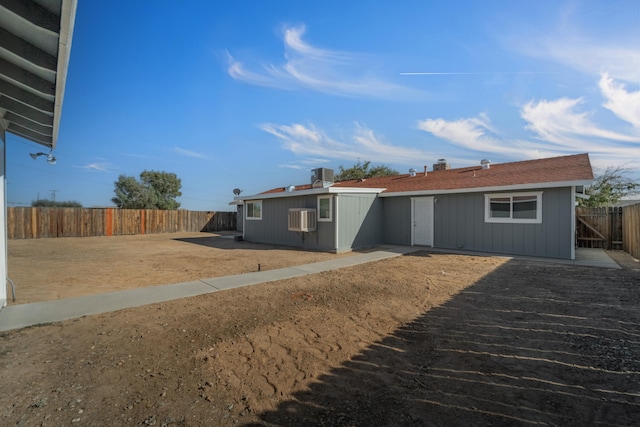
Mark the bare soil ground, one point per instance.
(422, 339)
(48, 269)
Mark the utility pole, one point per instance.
(53, 195)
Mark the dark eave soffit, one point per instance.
(35, 42)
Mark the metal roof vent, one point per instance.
(412, 172)
(485, 163)
(291, 188)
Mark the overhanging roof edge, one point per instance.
(67, 22)
(511, 187)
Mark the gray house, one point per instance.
(518, 208)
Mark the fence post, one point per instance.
(34, 223)
(108, 222)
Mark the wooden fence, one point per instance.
(35, 223)
(599, 227)
(631, 227)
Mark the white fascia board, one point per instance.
(311, 192)
(67, 22)
(352, 190)
(530, 186)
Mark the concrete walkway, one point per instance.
(584, 257)
(24, 315)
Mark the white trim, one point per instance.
(3, 219)
(246, 211)
(413, 208)
(511, 220)
(336, 225)
(416, 193)
(67, 22)
(330, 198)
(572, 232)
(312, 191)
(530, 186)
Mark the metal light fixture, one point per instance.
(50, 157)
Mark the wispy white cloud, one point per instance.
(558, 122)
(624, 104)
(471, 133)
(591, 56)
(305, 164)
(582, 47)
(557, 127)
(322, 70)
(189, 153)
(363, 143)
(477, 134)
(98, 166)
(238, 71)
(291, 166)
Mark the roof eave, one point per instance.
(311, 192)
(35, 49)
(515, 187)
(67, 22)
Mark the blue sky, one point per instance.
(254, 95)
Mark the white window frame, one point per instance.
(510, 219)
(330, 198)
(246, 209)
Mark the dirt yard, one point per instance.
(48, 269)
(422, 339)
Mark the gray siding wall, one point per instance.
(360, 221)
(459, 224)
(397, 220)
(239, 220)
(273, 227)
(367, 220)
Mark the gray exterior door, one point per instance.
(422, 221)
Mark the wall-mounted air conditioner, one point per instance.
(302, 219)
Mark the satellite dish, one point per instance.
(237, 191)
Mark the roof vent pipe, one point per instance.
(425, 170)
(486, 164)
(412, 172)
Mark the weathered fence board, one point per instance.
(599, 228)
(33, 223)
(631, 227)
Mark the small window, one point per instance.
(324, 208)
(254, 209)
(514, 208)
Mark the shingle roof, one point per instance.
(541, 171)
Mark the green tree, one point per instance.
(609, 187)
(362, 170)
(154, 190)
(43, 203)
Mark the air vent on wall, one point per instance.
(301, 219)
